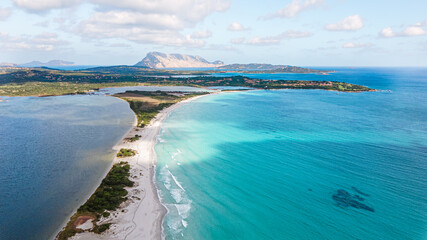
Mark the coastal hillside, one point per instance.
(162, 60)
(268, 68)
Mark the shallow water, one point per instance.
(54, 152)
(266, 164)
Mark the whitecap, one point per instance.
(176, 154)
(176, 181)
(165, 178)
(184, 223)
(183, 209)
(176, 195)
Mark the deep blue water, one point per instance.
(54, 153)
(266, 164)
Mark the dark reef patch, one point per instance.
(345, 199)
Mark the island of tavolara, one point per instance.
(212, 120)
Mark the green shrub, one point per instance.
(126, 153)
(101, 228)
(111, 193)
(135, 138)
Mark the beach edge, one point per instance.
(143, 214)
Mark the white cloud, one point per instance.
(264, 41)
(296, 34)
(201, 34)
(141, 28)
(293, 8)
(5, 13)
(356, 45)
(41, 42)
(138, 34)
(237, 40)
(387, 32)
(44, 5)
(278, 38)
(414, 31)
(418, 29)
(135, 19)
(236, 27)
(424, 24)
(143, 21)
(189, 10)
(350, 23)
(157, 22)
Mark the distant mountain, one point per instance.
(268, 68)
(162, 60)
(52, 63)
(6, 64)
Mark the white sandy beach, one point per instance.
(142, 215)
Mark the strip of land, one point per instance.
(46, 82)
(140, 214)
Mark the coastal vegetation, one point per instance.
(146, 104)
(43, 81)
(126, 153)
(55, 88)
(107, 197)
(134, 138)
(268, 68)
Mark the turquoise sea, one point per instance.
(300, 164)
(248, 165)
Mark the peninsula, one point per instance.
(126, 203)
(47, 82)
(267, 68)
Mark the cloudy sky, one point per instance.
(295, 32)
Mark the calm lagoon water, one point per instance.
(266, 164)
(54, 153)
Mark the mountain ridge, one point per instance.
(51, 63)
(175, 60)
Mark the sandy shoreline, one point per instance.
(140, 217)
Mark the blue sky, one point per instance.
(294, 32)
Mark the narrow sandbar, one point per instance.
(141, 216)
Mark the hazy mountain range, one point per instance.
(52, 63)
(158, 60)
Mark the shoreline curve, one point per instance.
(143, 214)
